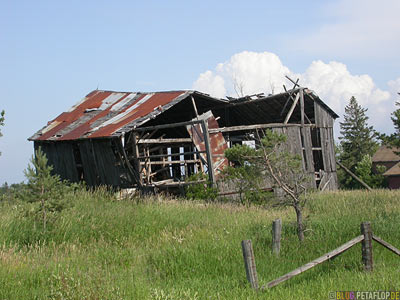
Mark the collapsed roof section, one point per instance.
(104, 114)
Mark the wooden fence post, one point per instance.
(250, 263)
(276, 236)
(367, 246)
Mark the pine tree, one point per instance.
(394, 139)
(357, 140)
(43, 188)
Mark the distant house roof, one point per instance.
(393, 171)
(108, 113)
(386, 154)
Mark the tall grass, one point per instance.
(156, 248)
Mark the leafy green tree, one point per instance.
(43, 188)
(200, 188)
(358, 138)
(282, 168)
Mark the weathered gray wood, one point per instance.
(386, 244)
(331, 149)
(322, 117)
(165, 141)
(354, 176)
(257, 126)
(172, 125)
(306, 132)
(194, 106)
(315, 262)
(302, 107)
(289, 114)
(210, 165)
(169, 162)
(250, 263)
(367, 246)
(276, 236)
(172, 154)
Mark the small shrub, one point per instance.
(201, 190)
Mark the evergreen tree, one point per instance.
(357, 140)
(394, 138)
(43, 188)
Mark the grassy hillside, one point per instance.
(101, 248)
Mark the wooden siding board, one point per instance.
(88, 163)
(61, 157)
(66, 161)
(106, 164)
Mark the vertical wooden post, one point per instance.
(136, 161)
(250, 263)
(367, 246)
(302, 107)
(210, 166)
(276, 236)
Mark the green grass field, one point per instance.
(156, 248)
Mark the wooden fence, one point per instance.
(365, 238)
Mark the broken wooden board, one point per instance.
(218, 144)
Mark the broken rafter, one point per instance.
(354, 176)
(165, 141)
(289, 114)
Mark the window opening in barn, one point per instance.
(78, 161)
(303, 147)
(317, 149)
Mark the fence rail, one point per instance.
(365, 238)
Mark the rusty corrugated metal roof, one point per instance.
(108, 113)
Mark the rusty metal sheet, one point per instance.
(105, 113)
(218, 144)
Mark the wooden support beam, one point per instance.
(164, 126)
(169, 162)
(252, 127)
(302, 107)
(165, 141)
(250, 263)
(367, 246)
(210, 165)
(354, 176)
(315, 262)
(194, 107)
(292, 81)
(290, 97)
(167, 155)
(136, 163)
(292, 108)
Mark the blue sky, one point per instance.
(53, 53)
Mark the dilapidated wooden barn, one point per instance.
(157, 140)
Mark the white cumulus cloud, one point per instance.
(264, 72)
(356, 27)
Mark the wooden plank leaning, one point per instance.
(315, 262)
